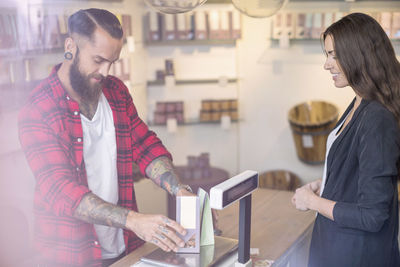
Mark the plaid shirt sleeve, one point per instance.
(57, 185)
(146, 146)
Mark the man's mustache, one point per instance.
(98, 77)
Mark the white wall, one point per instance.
(274, 80)
(271, 81)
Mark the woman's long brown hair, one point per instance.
(367, 58)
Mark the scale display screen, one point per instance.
(240, 190)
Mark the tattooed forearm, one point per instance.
(162, 173)
(93, 209)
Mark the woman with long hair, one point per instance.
(356, 200)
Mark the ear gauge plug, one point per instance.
(68, 55)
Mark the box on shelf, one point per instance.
(396, 25)
(236, 30)
(300, 25)
(213, 110)
(168, 110)
(198, 167)
(202, 24)
(317, 25)
(126, 23)
(169, 67)
(205, 115)
(153, 23)
(386, 22)
(184, 26)
(168, 27)
(215, 115)
(310, 25)
(225, 30)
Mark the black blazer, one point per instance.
(362, 179)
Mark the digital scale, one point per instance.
(222, 195)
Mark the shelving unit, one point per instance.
(194, 122)
(194, 81)
(192, 42)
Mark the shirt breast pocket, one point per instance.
(66, 144)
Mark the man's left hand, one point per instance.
(183, 192)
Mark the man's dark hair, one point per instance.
(85, 21)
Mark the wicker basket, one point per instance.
(311, 123)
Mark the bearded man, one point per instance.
(81, 133)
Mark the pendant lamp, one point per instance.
(258, 8)
(174, 6)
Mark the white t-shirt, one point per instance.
(100, 155)
(331, 138)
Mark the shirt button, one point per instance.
(96, 243)
(79, 139)
(76, 113)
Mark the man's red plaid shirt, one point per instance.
(51, 136)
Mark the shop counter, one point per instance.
(279, 232)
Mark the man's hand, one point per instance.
(156, 229)
(184, 192)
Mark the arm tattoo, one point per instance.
(93, 209)
(162, 173)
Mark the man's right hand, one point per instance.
(156, 229)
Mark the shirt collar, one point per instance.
(56, 86)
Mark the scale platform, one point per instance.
(209, 255)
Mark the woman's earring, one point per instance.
(68, 55)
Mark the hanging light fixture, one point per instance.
(174, 6)
(258, 8)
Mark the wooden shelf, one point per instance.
(193, 122)
(194, 81)
(191, 42)
(316, 40)
(18, 54)
(218, 2)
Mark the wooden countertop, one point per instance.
(276, 226)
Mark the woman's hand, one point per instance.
(301, 195)
(315, 186)
(304, 196)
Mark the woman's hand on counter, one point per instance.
(303, 197)
(315, 186)
(156, 229)
(307, 198)
(299, 198)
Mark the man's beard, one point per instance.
(81, 83)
